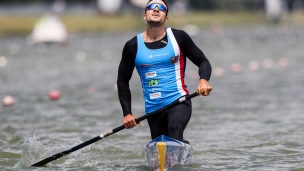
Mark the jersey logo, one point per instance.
(155, 89)
(153, 82)
(145, 65)
(151, 74)
(158, 55)
(174, 59)
(155, 95)
(163, 41)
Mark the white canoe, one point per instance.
(48, 29)
(164, 152)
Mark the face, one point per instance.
(156, 13)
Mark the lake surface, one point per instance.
(252, 120)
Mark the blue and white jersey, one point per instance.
(162, 72)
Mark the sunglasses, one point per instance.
(159, 6)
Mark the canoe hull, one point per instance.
(164, 152)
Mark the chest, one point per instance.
(150, 57)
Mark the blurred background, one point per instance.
(18, 17)
(58, 71)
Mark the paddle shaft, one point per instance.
(66, 152)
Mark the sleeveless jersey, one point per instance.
(162, 72)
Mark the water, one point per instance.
(253, 120)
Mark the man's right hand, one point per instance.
(129, 121)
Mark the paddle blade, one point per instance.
(66, 152)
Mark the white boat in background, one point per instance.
(139, 3)
(274, 9)
(164, 152)
(48, 29)
(109, 7)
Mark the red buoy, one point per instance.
(54, 95)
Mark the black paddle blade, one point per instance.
(43, 163)
(64, 153)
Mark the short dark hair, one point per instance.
(164, 3)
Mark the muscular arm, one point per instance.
(193, 53)
(125, 71)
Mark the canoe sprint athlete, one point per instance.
(159, 55)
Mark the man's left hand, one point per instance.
(203, 88)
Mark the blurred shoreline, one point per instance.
(18, 24)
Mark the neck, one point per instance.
(153, 34)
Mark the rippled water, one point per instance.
(253, 119)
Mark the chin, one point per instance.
(155, 23)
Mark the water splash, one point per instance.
(34, 151)
(31, 151)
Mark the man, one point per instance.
(159, 55)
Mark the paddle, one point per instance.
(106, 134)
